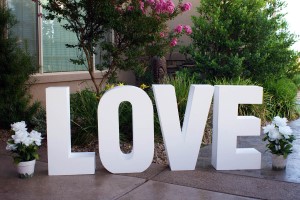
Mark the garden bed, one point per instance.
(159, 152)
(159, 157)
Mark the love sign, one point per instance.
(182, 143)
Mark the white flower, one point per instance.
(36, 137)
(28, 141)
(274, 135)
(286, 131)
(19, 126)
(20, 136)
(268, 128)
(11, 147)
(280, 121)
(277, 147)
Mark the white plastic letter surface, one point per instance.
(141, 156)
(183, 145)
(60, 159)
(227, 125)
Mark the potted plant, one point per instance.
(279, 136)
(24, 147)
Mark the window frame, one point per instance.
(39, 42)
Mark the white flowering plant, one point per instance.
(279, 136)
(23, 144)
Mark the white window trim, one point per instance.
(40, 39)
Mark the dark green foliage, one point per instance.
(125, 121)
(16, 66)
(285, 145)
(38, 121)
(84, 105)
(296, 80)
(182, 82)
(24, 153)
(284, 93)
(278, 98)
(243, 38)
(248, 40)
(263, 111)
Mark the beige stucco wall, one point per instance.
(75, 80)
(185, 19)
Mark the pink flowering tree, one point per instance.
(141, 32)
(139, 29)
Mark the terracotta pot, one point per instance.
(278, 162)
(26, 169)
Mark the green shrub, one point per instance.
(259, 110)
(84, 105)
(125, 121)
(278, 98)
(38, 121)
(284, 92)
(296, 80)
(181, 82)
(157, 130)
(15, 69)
(243, 38)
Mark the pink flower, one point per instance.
(151, 2)
(170, 9)
(163, 6)
(158, 8)
(142, 6)
(170, 6)
(178, 29)
(130, 8)
(187, 29)
(173, 42)
(186, 6)
(162, 34)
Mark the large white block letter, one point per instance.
(227, 125)
(141, 156)
(60, 159)
(183, 145)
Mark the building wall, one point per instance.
(176, 58)
(75, 80)
(185, 19)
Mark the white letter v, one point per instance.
(183, 146)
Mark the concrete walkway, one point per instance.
(158, 182)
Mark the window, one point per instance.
(25, 29)
(45, 39)
(56, 57)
